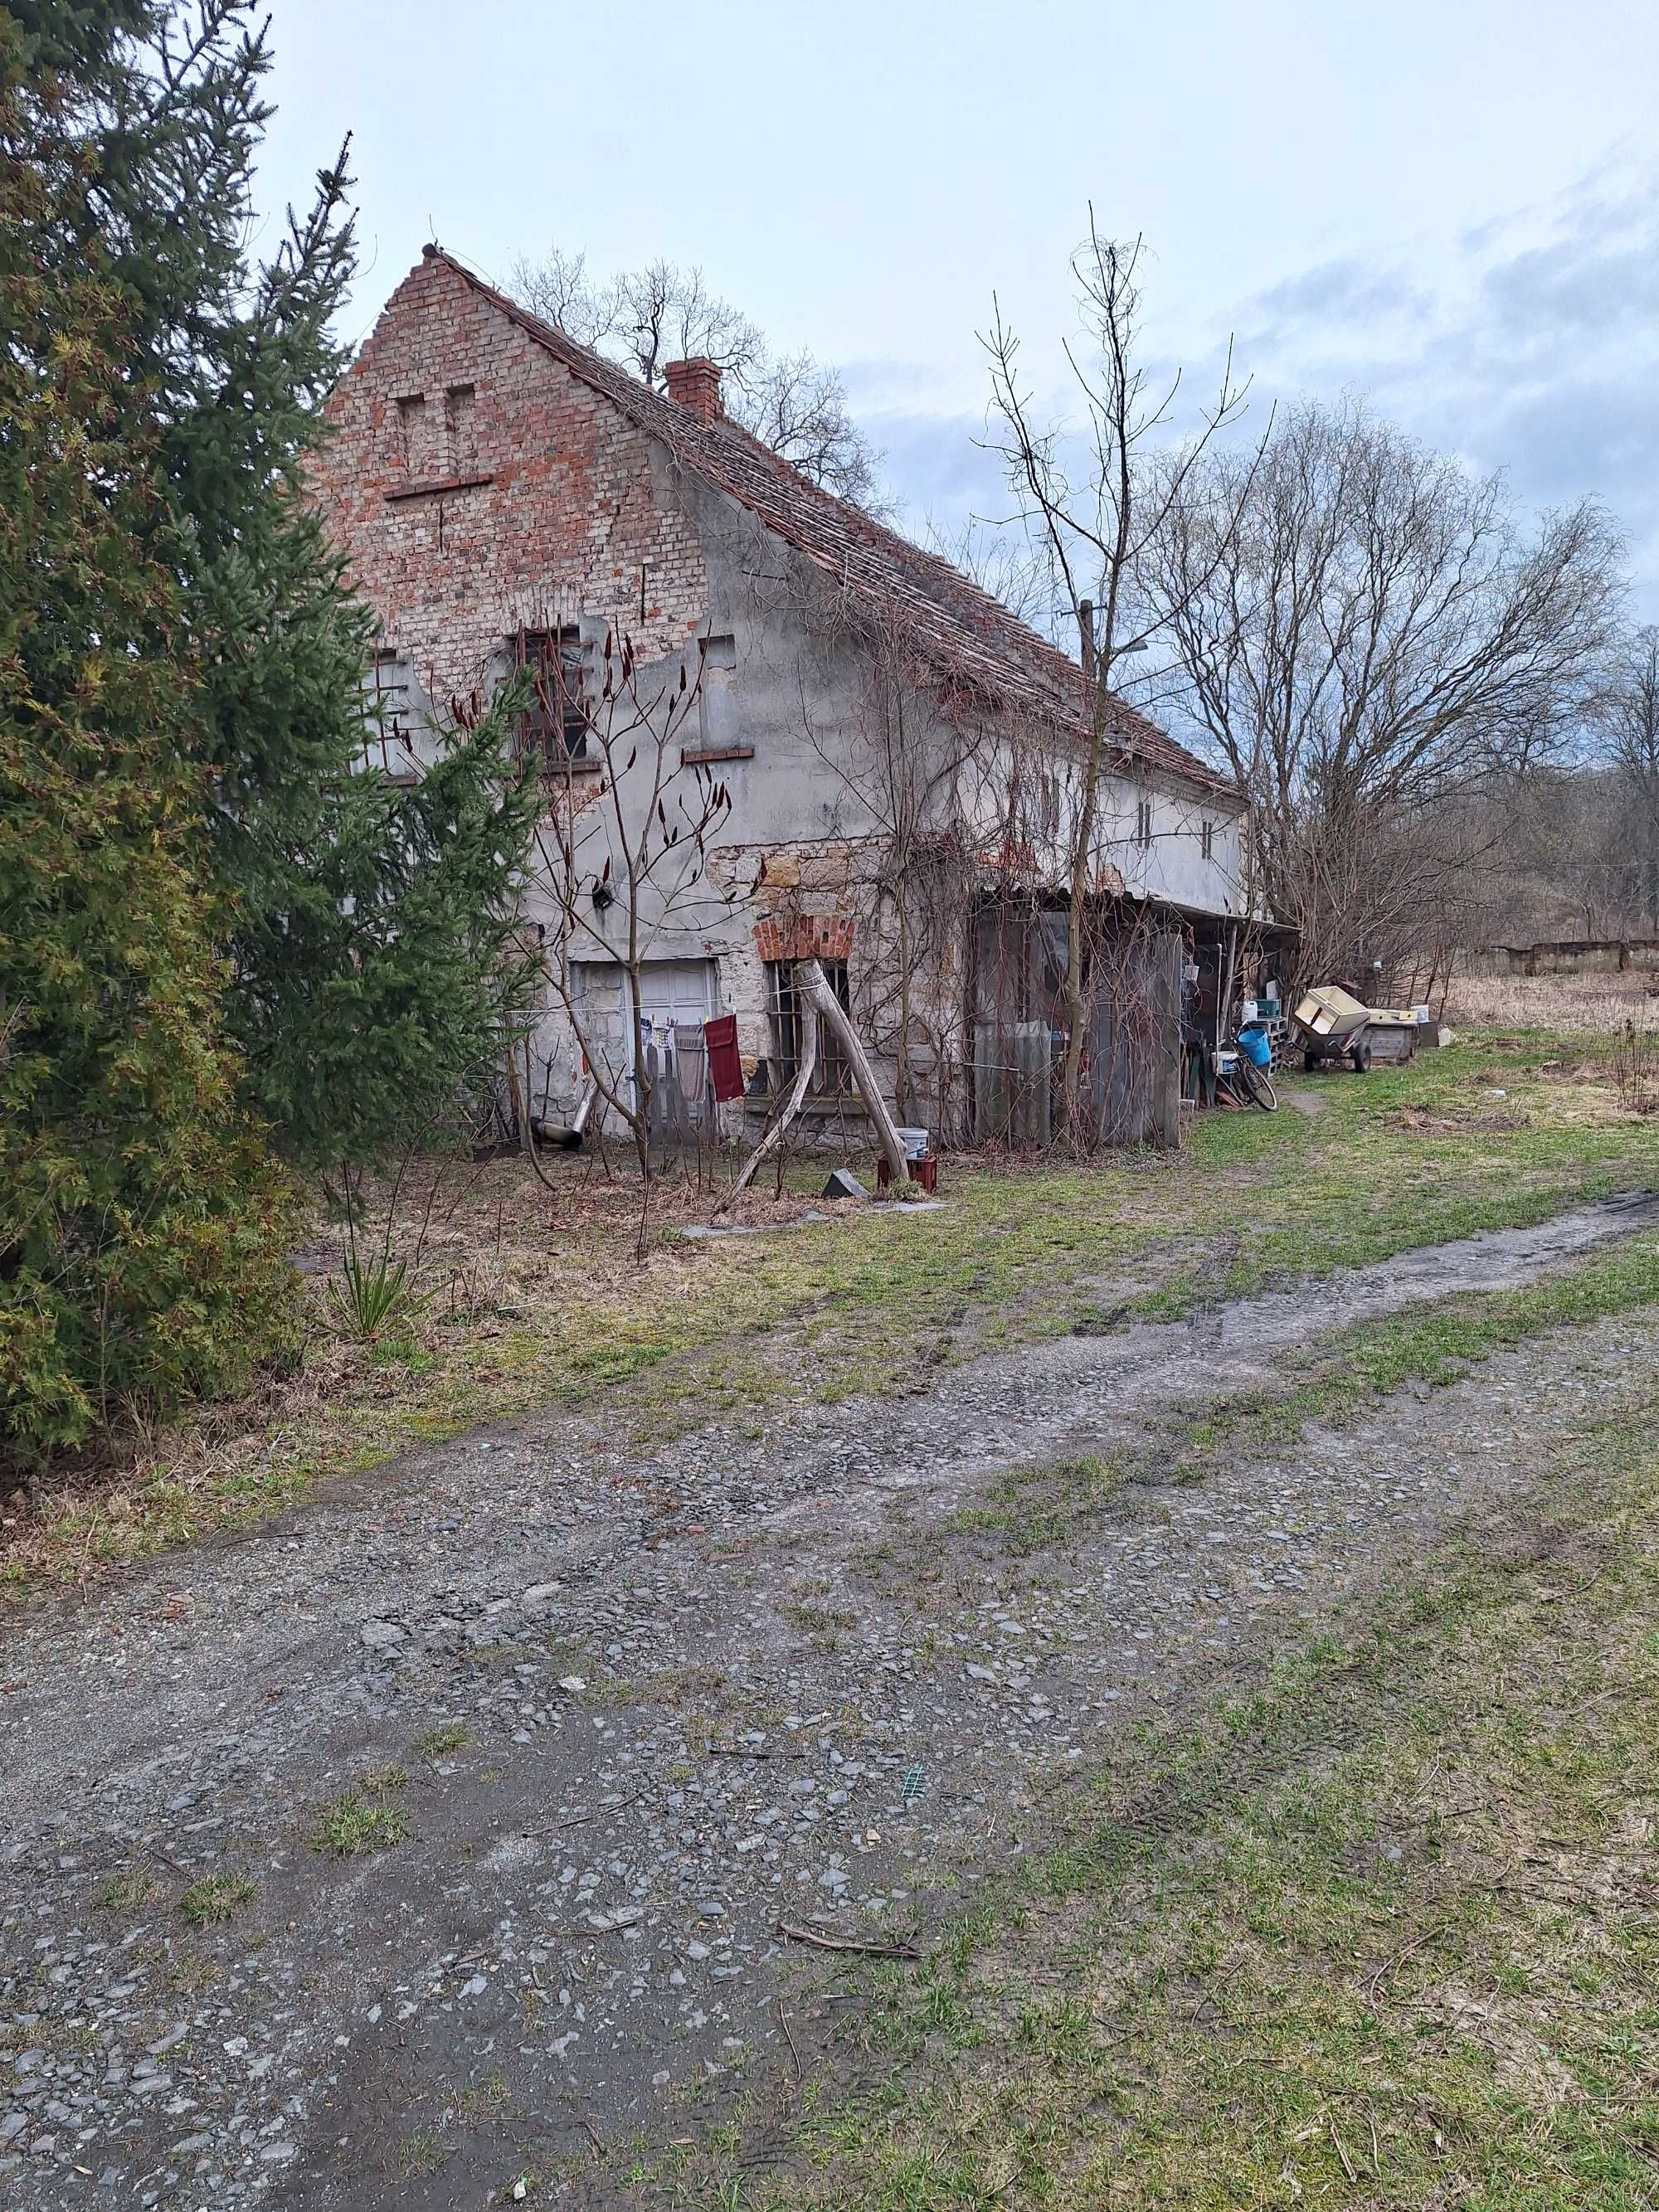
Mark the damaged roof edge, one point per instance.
(959, 629)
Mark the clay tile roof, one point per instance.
(960, 630)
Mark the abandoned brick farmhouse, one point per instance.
(874, 761)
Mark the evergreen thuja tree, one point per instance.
(141, 1227)
(370, 937)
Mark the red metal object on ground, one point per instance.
(924, 1172)
(720, 1038)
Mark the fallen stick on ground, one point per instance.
(872, 1948)
(784, 2019)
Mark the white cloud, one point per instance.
(1528, 343)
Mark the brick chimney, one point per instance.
(694, 385)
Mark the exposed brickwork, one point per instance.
(475, 486)
(810, 937)
(695, 385)
(971, 645)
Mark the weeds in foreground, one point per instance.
(366, 1296)
(440, 1739)
(481, 2100)
(419, 2155)
(217, 1897)
(362, 1821)
(129, 1891)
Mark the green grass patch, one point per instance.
(419, 2155)
(442, 1738)
(129, 1891)
(1344, 1378)
(217, 1897)
(362, 1820)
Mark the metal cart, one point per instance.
(1334, 1026)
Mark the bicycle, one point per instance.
(1248, 1081)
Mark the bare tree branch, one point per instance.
(648, 317)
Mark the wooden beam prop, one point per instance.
(813, 986)
(774, 1136)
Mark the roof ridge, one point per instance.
(955, 622)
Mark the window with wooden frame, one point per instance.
(832, 1077)
(1143, 822)
(554, 726)
(1207, 840)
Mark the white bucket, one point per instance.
(914, 1142)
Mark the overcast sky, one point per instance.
(1452, 204)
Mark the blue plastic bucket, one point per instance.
(1257, 1046)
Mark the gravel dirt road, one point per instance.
(652, 1714)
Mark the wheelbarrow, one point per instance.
(1333, 1026)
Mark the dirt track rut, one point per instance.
(739, 1683)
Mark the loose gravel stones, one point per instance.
(754, 1683)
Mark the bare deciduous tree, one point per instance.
(1098, 500)
(1628, 718)
(1573, 862)
(1362, 635)
(630, 843)
(648, 317)
(904, 758)
(1015, 567)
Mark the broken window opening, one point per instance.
(833, 1077)
(555, 726)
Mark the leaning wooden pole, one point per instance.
(774, 1136)
(813, 985)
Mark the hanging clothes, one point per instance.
(719, 1036)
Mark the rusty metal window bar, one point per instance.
(555, 726)
(832, 1078)
(389, 718)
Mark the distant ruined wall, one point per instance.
(1586, 956)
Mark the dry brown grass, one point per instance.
(530, 1297)
(518, 1289)
(1569, 1004)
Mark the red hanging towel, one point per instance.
(724, 1068)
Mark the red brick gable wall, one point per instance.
(512, 495)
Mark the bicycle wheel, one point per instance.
(1257, 1084)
